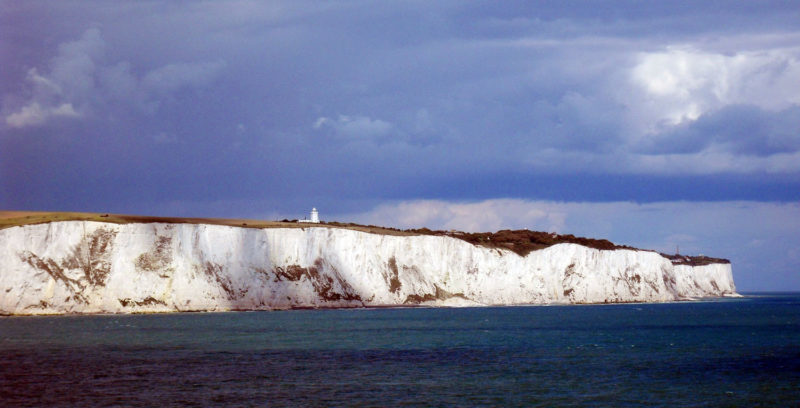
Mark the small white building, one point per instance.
(314, 217)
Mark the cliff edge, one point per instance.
(102, 267)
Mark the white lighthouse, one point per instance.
(314, 217)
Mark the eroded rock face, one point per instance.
(90, 267)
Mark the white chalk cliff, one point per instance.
(92, 267)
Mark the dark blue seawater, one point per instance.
(731, 352)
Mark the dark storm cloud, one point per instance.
(343, 103)
(740, 129)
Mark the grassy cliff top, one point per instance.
(520, 241)
(10, 219)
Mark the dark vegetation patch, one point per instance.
(439, 294)
(394, 279)
(520, 241)
(56, 271)
(90, 255)
(215, 270)
(325, 284)
(525, 241)
(144, 302)
(292, 273)
(714, 285)
(94, 256)
(695, 260)
(261, 271)
(569, 271)
(631, 280)
(158, 258)
(47, 265)
(653, 286)
(417, 299)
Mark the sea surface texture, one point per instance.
(93, 267)
(728, 352)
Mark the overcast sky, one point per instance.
(652, 124)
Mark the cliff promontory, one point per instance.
(105, 267)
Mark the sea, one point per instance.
(737, 352)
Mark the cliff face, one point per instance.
(91, 267)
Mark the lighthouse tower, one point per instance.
(314, 217)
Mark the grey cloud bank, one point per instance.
(248, 109)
